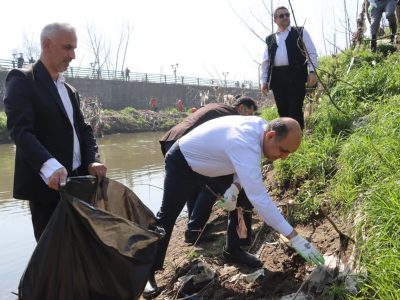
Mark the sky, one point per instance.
(206, 38)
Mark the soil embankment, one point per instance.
(284, 271)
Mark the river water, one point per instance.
(132, 159)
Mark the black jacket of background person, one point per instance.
(203, 114)
(295, 51)
(41, 130)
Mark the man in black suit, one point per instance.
(45, 121)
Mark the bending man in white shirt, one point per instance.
(223, 146)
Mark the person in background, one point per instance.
(127, 72)
(223, 146)
(20, 61)
(286, 68)
(45, 121)
(179, 105)
(376, 8)
(153, 104)
(398, 11)
(244, 106)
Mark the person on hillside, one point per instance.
(398, 11)
(286, 67)
(45, 121)
(220, 147)
(376, 8)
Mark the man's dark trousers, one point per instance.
(180, 184)
(41, 214)
(289, 92)
(233, 241)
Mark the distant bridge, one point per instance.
(107, 74)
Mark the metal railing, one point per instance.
(106, 74)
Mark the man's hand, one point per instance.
(58, 178)
(230, 198)
(264, 89)
(311, 80)
(97, 169)
(305, 249)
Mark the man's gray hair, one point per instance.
(279, 127)
(52, 29)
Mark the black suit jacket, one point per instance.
(40, 127)
(200, 116)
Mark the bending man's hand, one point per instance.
(305, 249)
(97, 169)
(230, 198)
(58, 178)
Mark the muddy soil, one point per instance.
(284, 270)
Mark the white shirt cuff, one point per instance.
(48, 168)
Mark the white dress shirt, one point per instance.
(51, 165)
(281, 56)
(233, 145)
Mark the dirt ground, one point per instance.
(284, 270)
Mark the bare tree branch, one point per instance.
(30, 48)
(245, 23)
(129, 29)
(260, 22)
(310, 61)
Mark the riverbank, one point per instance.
(131, 120)
(128, 120)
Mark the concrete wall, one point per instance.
(115, 94)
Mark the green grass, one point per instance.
(269, 113)
(369, 155)
(3, 121)
(351, 161)
(3, 126)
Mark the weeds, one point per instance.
(352, 160)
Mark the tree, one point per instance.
(103, 51)
(29, 48)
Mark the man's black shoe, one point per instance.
(151, 290)
(241, 257)
(191, 236)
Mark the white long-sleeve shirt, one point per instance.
(281, 56)
(234, 145)
(51, 165)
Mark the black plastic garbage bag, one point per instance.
(99, 244)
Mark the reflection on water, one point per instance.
(132, 159)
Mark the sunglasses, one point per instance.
(281, 16)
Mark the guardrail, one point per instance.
(106, 74)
